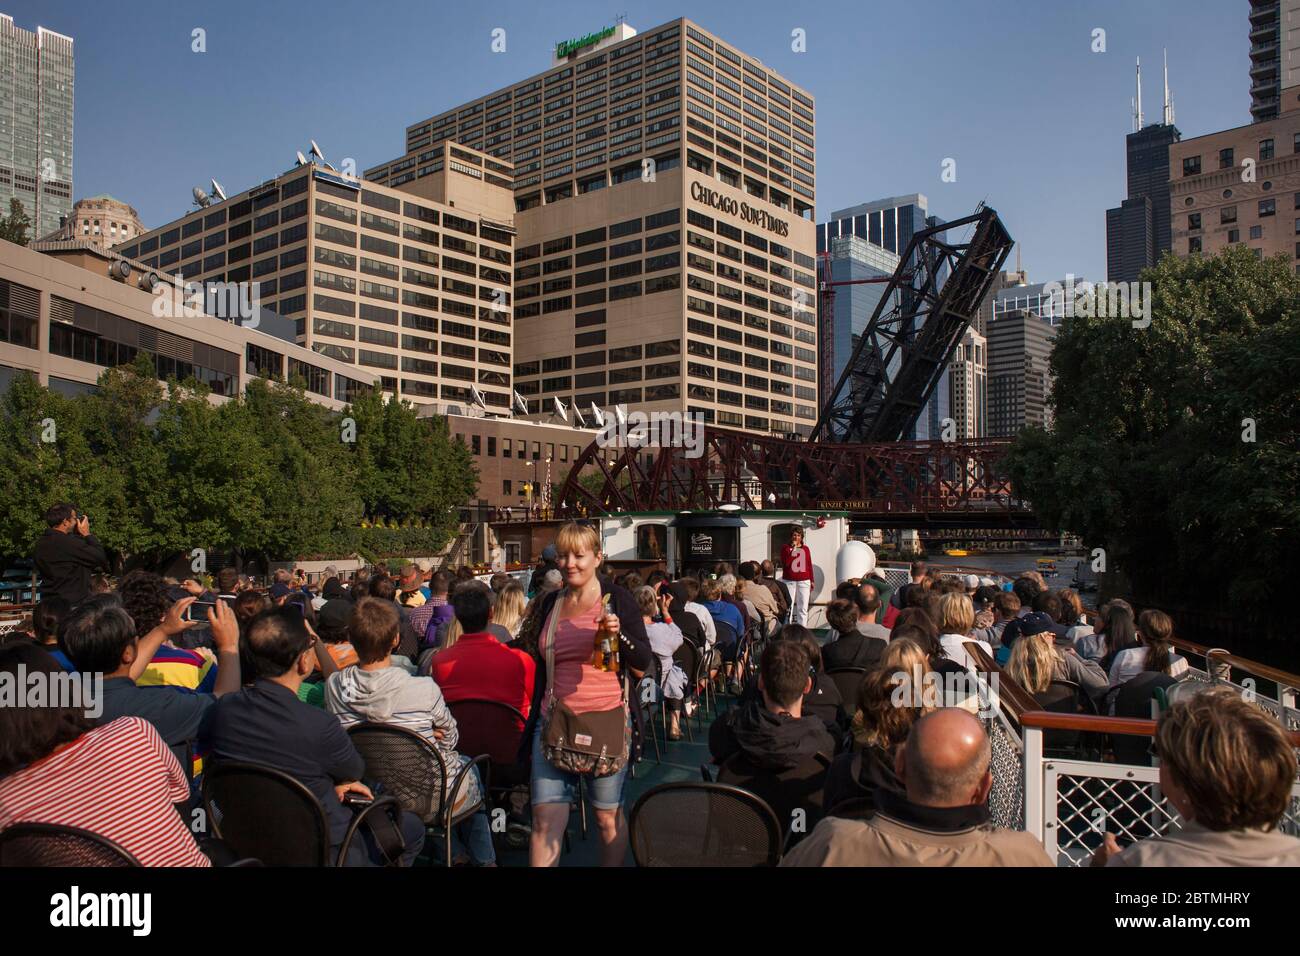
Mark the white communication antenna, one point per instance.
(218, 191)
(302, 160)
(521, 404)
(479, 400)
(201, 199)
(597, 414)
(577, 414)
(560, 409)
(620, 414)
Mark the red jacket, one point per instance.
(788, 556)
(481, 667)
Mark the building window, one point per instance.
(1191, 166)
(1225, 158)
(1194, 221)
(1194, 244)
(1265, 149)
(1234, 235)
(1227, 215)
(1257, 232)
(505, 486)
(492, 446)
(1267, 207)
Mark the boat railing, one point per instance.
(1069, 802)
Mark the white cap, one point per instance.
(971, 582)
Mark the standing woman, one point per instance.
(797, 568)
(578, 697)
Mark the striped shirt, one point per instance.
(119, 781)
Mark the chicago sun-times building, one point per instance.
(664, 255)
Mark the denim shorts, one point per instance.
(557, 786)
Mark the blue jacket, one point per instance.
(727, 613)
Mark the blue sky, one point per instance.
(1010, 89)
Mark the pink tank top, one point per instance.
(574, 681)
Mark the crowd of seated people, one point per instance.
(838, 730)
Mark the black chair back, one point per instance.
(703, 824)
(52, 844)
(264, 813)
(408, 767)
(1134, 700)
(726, 633)
(847, 681)
(1061, 697)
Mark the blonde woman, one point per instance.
(509, 610)
(1037, 660)
(570, 618)
(892, 697)
(956, 621)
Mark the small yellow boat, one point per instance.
(956, 553)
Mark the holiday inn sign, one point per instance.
(569, 47)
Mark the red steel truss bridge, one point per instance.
(854, 459)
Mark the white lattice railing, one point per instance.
(1068, 803)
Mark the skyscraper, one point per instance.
(1138, 230)
(968, 384)
(1019, 376)
(664, 187)
(36, 86)
(1274, 60)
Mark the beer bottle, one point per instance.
(610, 645)
(600, 653)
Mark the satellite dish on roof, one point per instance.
(577, 414)
(479, 400)
(521, 404)
(218, 191)
(315, 151)
(302, 160)
(620, 414)
(597, 414)
(560, 409)
(201, 198)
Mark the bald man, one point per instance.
(942, 820)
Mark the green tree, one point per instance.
(1174, 446)
(16, 225)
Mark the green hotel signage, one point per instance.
(569, 47)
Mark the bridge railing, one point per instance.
(1068, 802)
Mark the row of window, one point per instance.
(1266, 151)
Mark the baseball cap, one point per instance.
(549, 553)
(1036, 622)
(278, 591)
(971, 582)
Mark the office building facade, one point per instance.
(36, 93)
(664, 184)
(1019, 374)
(849, 259)
(968, 386)
(65, 319)
(1004, 280)
(1214, 205)
(414, 291)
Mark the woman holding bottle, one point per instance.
(589, 638)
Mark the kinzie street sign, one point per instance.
(729, 206)
(568, 47)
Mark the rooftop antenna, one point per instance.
(597, 414)
(559, 409)
(1169, 103)
(1020, 272)
(1139, 93)
(521, 404)
(218, 191)
(201, 199)
(302, 160)
(577, 415)
(477, 397)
